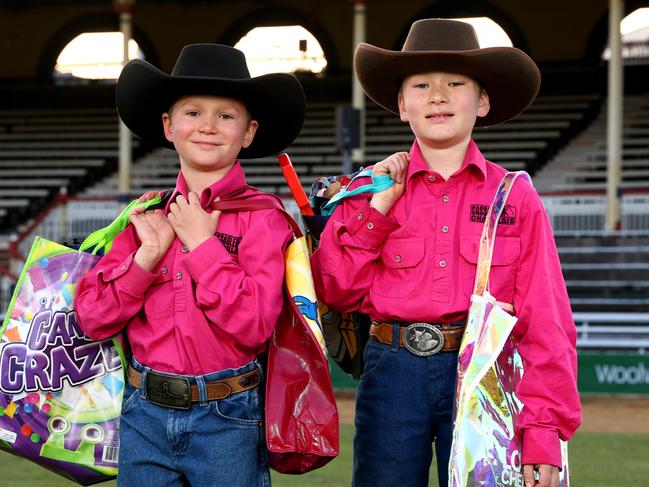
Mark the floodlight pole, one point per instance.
(125, 9)
(615, 115)
(358, 97)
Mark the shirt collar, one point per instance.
(234, 178)
(473, 158)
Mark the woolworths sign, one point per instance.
(607, 373)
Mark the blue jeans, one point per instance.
(404, 404)
(214, 443)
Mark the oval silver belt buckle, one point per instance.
(423, 339)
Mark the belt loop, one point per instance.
(396, 334)
(202, 391)
(145, 373)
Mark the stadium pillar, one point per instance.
(358, 97)
(615, 113)
(125, 9)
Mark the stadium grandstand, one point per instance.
(60, 169)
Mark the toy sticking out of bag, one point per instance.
(60, 392)
(486, 447)
(345, 334)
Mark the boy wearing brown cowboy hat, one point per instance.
(196, 290)
(406, 256)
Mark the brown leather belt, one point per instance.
(176, 391)
(421, 338)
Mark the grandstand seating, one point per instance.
(606, 273)
(581, 166)
(44, 152)
(522, 143)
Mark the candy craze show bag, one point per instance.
(60, 392)
(486, 445)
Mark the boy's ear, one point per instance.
(483, 104)
(166, 126)
(250, 133)
(402, 108)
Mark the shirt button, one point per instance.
(164, 269)
(122, 267)
(360, 216)
(398, 258)
(179, 275)
(370, 225)
(431, 178)
(445, 198)
(184, 250)
(445, 229)
(442, 263)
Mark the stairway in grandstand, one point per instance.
(581, 165)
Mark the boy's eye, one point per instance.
(226, 116)
(456, 83)
(422, 86)
(192, 113)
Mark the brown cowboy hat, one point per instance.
(510, 77)
(275, 100)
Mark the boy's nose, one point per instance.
(437, 95)
(208, 125)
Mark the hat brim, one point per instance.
(511, 78)
(276, 101)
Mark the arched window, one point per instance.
(490, 34)
(285, 49)
(93, 56)
(635, 38)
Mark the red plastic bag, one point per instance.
(301, 413)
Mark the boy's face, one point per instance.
(441, 108)
(208, 131)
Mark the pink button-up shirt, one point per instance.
(418, 263)
(195, 312)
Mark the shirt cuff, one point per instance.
(370, 226)
(205, 256)
(541, 446)
(131, 277)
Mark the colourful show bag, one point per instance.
(486, 447)
(60, 392)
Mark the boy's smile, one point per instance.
(441, 108)
(208, 132)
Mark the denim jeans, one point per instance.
(214, 443)
(404, 404)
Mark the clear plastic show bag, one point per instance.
(486, 447)
(60, 392)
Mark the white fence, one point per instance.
(586, 214)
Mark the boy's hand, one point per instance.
(156, 236)
(149, 195)
(191, 222)
(548, 475)
(396, 166)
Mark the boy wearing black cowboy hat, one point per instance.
(407, 257)
(195, 289)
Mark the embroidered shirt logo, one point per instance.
(479, 214)
(230, 242)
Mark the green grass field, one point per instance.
(596, 460)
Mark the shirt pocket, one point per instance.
(159, 301)
(398, 268)
(504, 263)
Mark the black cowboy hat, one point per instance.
(511, 78)
(275, 100)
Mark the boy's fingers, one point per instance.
(193, 198)
(528, 475)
